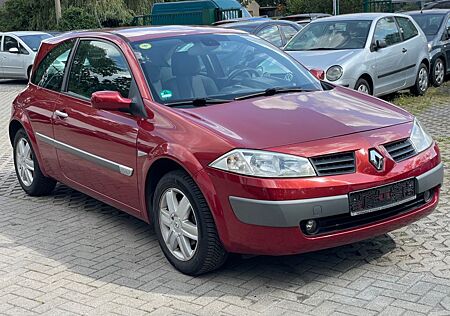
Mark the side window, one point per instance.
(387, 31)
(288, 31)
(10, 42)
(447, 29)
(407, 28)
(98, 66)
(272, 35)
(23, 50)
(50, 72)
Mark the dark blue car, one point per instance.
(436, 26)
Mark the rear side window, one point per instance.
(272, 35)
(98, 66)
(407, 28)
(50, 72)
(386, 30)
(288, 31)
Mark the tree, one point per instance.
(323, 6)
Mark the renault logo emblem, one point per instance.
(376, 159)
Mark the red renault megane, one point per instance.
(223, 142)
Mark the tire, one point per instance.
(207, 253)
(422, 82)
(438, 72)
(363, 86)
(29, 73)
(38, 184)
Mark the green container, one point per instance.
(202, 12)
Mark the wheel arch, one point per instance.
(14, 127)
(426, 62)
(156, 171)
(369, 79)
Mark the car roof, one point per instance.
(24, 33)
(432, 11)
(255, 24)
(357, 16)
(144, 32)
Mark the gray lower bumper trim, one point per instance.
(287, 213)
(290, 213)
(430, 179)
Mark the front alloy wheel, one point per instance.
(184, 225)
(178, 224)
(438, 72)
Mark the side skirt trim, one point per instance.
(124, 170)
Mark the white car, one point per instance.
(17, 53)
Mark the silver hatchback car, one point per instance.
(375, 53)
(17, 53)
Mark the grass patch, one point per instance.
(415, 105)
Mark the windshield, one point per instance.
(326, 35)
(429, 23)
(33, 41)
(219, 66)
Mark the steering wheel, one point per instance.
(238, 72)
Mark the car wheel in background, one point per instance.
(29, 73)
(438, 72)
(421, 85)
(362, 85)
(184, 225)
(28, 172)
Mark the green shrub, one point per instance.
(74, 18)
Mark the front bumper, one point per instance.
(291, 212)
(241, 231)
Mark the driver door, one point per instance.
(13, 63)
(388, 61)
(96, 149)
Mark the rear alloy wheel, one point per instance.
(438, 72)
(184, 225)
(363, 86)
(421, 85)
(28, 172)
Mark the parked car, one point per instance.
(275, 32)
(17, 53)
(436, 26)
(374, 53)
(173, 126)
(441, 4)
(305, 18)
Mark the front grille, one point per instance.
(336, 223)
(400, 150)
(334, 164)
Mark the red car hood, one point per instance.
(297, 117)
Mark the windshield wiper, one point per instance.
(197, 102)
(271, 91)
(324, 48)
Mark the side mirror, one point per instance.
(318, 73)
(13, 50)
(379, 44)
(110, 101)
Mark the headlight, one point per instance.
(420, 138)
(264, 164)
(334, 73)
(430, 46)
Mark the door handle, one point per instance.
(404, 50)
(61, 114)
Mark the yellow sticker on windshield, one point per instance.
(145, 46)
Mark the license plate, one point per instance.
(375, 199)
